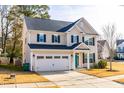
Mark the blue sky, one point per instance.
(97, 16)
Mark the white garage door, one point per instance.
(52, 62)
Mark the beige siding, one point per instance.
(26, 49)
(33, 37)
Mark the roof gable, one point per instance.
(118, 42)
(81, 46)
(58, 26)
(101, 42)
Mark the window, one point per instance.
(123, 49)
(90, 41)
(74, 39)
(119, 49)
(48, 57)
(41, 37)
(40, 57)
(65, 57)
(55, 38)
(92, 57)
(57, 57)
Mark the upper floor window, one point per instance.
(90, 41)
(41, 37)
(56, 38)
(74, 39)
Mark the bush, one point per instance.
(95, 65)
(102, 64)
(11, 67)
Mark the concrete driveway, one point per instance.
(73, 79)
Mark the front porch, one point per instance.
(80, 59)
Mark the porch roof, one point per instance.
(59, 47)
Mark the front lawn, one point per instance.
(21, 77)
(118, 69)
(120, 80)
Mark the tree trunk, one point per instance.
(11, 60)
(110, 65)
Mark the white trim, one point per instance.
(80, 44)
(88, 61)
(31, 61)
(73, 26)
(73, 64)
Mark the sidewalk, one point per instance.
(28, 85)
(114, 77)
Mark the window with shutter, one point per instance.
(55, 38)
(41, 37)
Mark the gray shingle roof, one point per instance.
(56, 25)
(118, 42)
(101, 42)
(61, 47)
(45, 24)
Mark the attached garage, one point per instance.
(51, 62)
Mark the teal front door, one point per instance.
(76, 60)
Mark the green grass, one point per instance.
(11, 67)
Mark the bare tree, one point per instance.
(110, 36)
(5, 25)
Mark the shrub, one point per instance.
(102, 64)
(11, 67)
(95, 65)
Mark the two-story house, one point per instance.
(120, 49)
(50, 45)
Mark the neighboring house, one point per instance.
(120, 49)
(50, 45)
(0, 37)
(103, 49)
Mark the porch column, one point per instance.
(73, 66)
(80, 60)
(88, 61)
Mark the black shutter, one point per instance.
(83, 58)
(82, 39)
(93, 41)
(58, 38)
(77, 39)
(52, 38)
(38, 37)
(71, 38)
(93, 57)
(44, 38)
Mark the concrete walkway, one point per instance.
(73, 79)
(114, 77)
